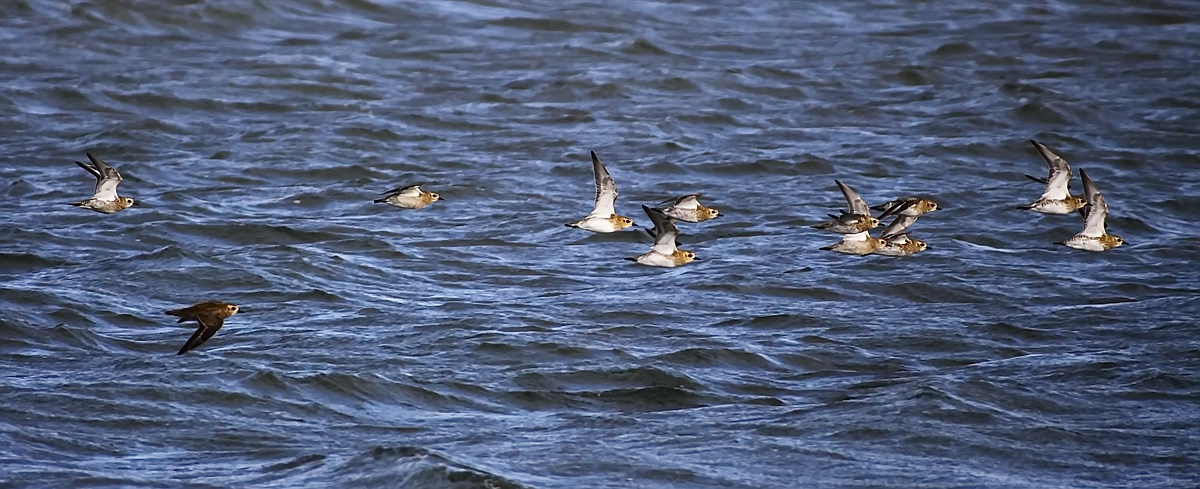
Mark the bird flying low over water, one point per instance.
(409, 197)
(900, 245)
(688, 209)
(663, 253)
(604, 218)
(857, 244)
(908, 206)
(211, 316)
(105, 198)
(1093, 237)
(857, 220)
(1057, 198)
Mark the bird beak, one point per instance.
(696, 259)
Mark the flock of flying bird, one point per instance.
(854, 224)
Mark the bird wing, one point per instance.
(1059, 180)
(209, 325)
(665, 231)
(407, 190)
(689, 201)
(899, 206)
(606, 190)
(856, 236)
(896, 239)
(107, 178)
(857, 204)
(1093, 220)
(898, 225)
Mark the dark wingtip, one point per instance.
(631, 259)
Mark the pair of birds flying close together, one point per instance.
(665, 252)
(1057, 199)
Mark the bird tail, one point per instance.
(1025, 207)
(828, 248)
(380, 201)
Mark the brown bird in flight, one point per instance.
(211, 316)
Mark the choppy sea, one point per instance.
(479, 343)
